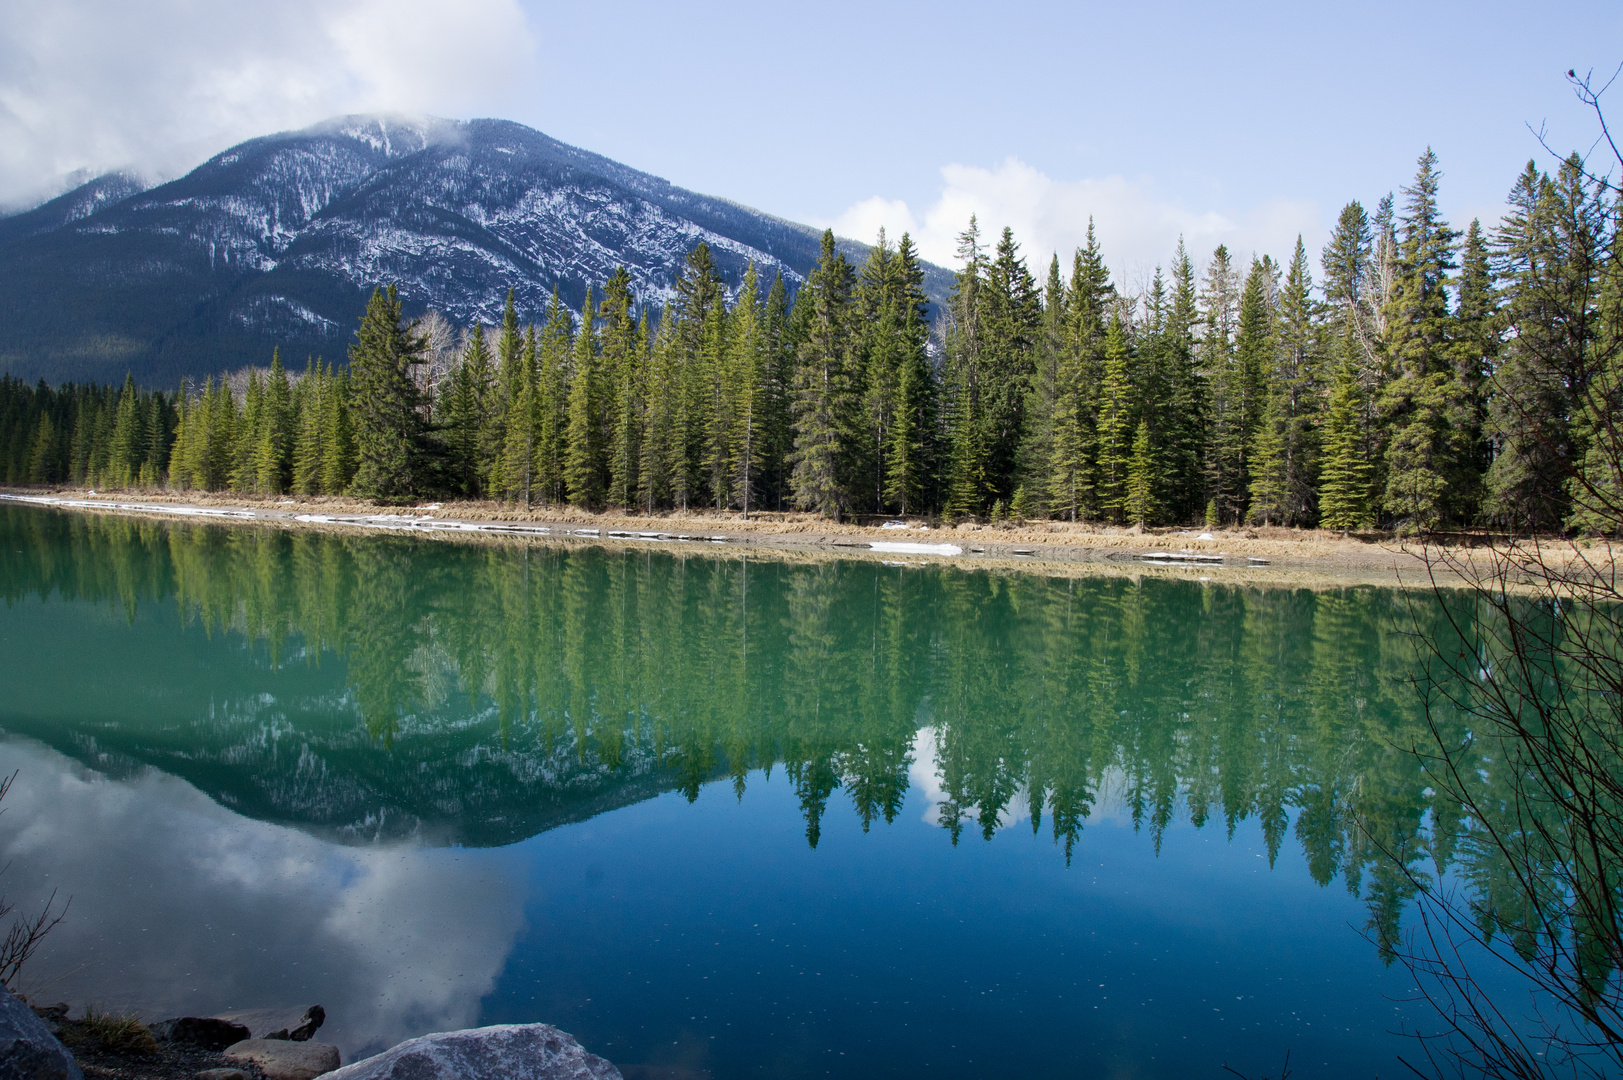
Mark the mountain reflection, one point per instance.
(373, 686)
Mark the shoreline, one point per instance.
(1257, 555)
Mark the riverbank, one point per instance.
(1262, 553)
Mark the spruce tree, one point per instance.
(1139, 506)
(466, 415)
(1425, 455)
(338, 453)
(388, 428)
(552, 401)
(911, 463)
(309, 442)
(1344, 479)
(747, 362)
(1219, 302)
(967, 464)
(1116, 423)
(583, 462)
(518, 452)
(824, 402)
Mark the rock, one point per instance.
(282, 1059)
(506, 1052)
(278, 1023)
(222, 1074)
(28, 1050)
(209, 1032)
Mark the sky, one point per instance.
(1243, 123)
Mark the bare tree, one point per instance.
(1522, 684)
(25, 934)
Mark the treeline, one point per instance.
(1429, 378)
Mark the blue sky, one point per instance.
(1244, 123)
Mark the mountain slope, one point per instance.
(278, 241)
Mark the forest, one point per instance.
(1424, 378)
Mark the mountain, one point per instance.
(279, 240)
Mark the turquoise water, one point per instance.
(721, 816)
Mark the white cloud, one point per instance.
(1137, 229)
(97, 84)
(182, 907)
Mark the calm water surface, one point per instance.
(718, 817)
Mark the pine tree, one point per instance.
(1189, 399)
(1011, 323)
(250, 429)
(966, 480)
(747, 361)
(1139, 506)
(466, 415)
(1115, 422)
(270, 455)
(388, 427)
(1344, 480)
(1285, 446)
(310, 440)
(911, 463)
(502, 398)
(518, 452)
(1219, 305)
(623, 367)
(583, 471)
(42, 454)
(1424, 455)
(552, 401)
(128, 447)
(338, 455)
(823, 403)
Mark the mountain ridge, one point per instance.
(277, 241)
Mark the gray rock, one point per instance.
(28, 1050)
(222, 1074)
(209, 1032)
(278, 1023)
(507, 1052)
(282, 1059)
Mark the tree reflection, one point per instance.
(486, 681)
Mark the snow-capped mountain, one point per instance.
(279, 240)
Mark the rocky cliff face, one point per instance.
(278, 241)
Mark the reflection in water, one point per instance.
(394, 694)
(394, 939)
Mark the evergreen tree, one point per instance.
(388, 422)
(1219, 305)
(518, 452)
(583, 462)
(1189, 404)
(1116, 420)
(1139, 505)
(747, 363)
(1344, 481)
(466, 409)
(823, 404)
(911, 464)
(338, 453)
(552, 401)
(623, 364)
(1425, 455)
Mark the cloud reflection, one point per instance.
(181, 906)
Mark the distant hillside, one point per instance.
(278, 241)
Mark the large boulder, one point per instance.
(506, 1052)
(28, 1050)
(295, 1024)
(283, 1059)
(209, 1032)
